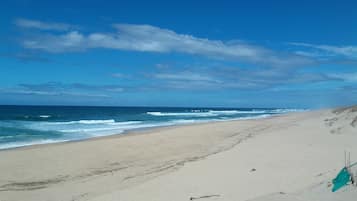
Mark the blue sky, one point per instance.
(179, 53)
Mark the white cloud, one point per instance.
(185, 76)
(350, 77)
(327, 50)
(62, 89)
(235, 78)
(118, 75)
(72, 41)
(117, 89)
(49, 93)
(26, 23)
(148, 38)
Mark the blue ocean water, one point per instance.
(28, 125)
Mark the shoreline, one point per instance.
(237, 160)
(138, 131)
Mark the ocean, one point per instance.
(29, 125)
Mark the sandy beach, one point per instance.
(291, 157)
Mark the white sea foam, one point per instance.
(81, 126)
(45, 116)
(102, 131)
(87, 122)
(108, 121)
(251, 117)
(225, 112)
(83, 129)
(96, 121)
(23, 144)
(209, 113)
(188, 121)
(233, 112)
(197, 114)
(287, 110)
(185, 121)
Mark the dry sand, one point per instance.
(290, 157)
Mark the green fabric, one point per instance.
(341, 179)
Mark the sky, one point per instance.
(295, 54)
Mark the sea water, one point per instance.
(29, 125)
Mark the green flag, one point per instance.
(341, 179)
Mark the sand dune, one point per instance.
(289, 157)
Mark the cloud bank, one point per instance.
(147, 38)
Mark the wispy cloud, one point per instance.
(349, 88)
(44, 93)
(27, 23)
(61, 89)
(25, 57)
(121, 75)
(72, 41)
(185, 76)
(349, 77)
(147, 38)
(236, 78)
(314, 50)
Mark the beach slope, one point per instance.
(287, 157)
